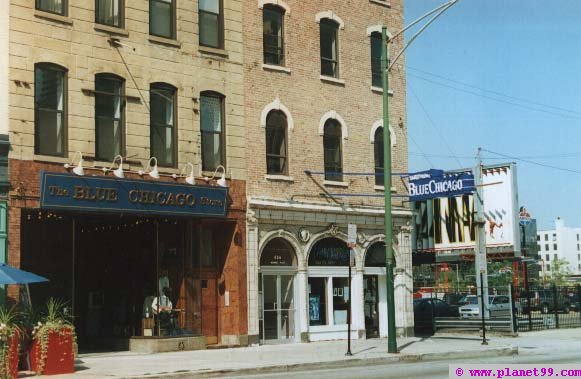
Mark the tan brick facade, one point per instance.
(84, 49)
(81, 46)
(308, 98)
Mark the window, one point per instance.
(554, 246)
(376, 60)
(332, 151)
(329, 48)
(109, 12)
(212, 130)
(577, 237)
(50, 106)
(162, 18)
(109, 116)
(52, 6)
(318, 301)
(378, 154)
(555, 257)
(547, 257)
(554, 236)
(273, 35)
(538, 237)
(579, 257)
(578, 247)
(546, 247)
(211, 23)
(162, 123)
(276, 143)
(548, 267)
(546, 237)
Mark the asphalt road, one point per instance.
(422, 370)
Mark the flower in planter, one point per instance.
(53, 340)
(9, 333)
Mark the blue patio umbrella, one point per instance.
(11, 275)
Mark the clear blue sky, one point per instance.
(506, 76)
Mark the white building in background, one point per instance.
(563, 242)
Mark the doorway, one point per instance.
(371, 305)
(279, 308)
(277, 292)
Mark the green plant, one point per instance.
(9, 328)
(52, 321)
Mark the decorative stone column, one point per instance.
(357, 304)
(403, 283)
(252, 277)
(302, 302)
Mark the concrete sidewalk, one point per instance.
(289, 357)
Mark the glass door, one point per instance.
(278, 308)
(371, 300)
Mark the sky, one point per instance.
(504, 75)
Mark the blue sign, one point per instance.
(110, 194)
(431, 184)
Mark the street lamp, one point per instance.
(385, 67)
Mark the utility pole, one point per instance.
(385, 68)
(481, 265)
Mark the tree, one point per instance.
(559, 272)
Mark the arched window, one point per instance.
(278, 252)
(329, 252)
(276, 143)
(163, 123)
(109, 116)
(273, 35)
(50, 109)
(378, 155)
(212, 130)
(376, 59)
(329, 48)
(332, 151)
(376, 255)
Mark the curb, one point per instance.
(336, 364)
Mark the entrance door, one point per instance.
(370, 306)
(278, 308)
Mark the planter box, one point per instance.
(12, 356)
(60, 357)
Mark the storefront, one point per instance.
(138, 260)
(308, 278)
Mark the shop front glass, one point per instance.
(123, 276)
(328, 285)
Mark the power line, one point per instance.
(495, 92)
(494, 98)
(432, 123)
(533, 162)
(556, 156)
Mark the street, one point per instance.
(422, 370)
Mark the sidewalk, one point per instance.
(277, 358)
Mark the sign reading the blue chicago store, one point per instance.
(109, 194)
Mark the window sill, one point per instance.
(382, 3)
(213, 51)
(271, 67)
(329, 79)
(111, 30)
(332, 183)
(382, 189)
(165, 41)
(53, 17)
(279, 178)
(380, 90)
(50, 159)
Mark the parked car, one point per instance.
(543, 300)
(426, 309)
(496, 303)
(468, 299)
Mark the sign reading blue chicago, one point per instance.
(431, 184)
(109, 194)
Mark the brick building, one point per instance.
(313, 114)
(93, 84)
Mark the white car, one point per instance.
(495, 304)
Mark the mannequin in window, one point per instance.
(164, 304)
